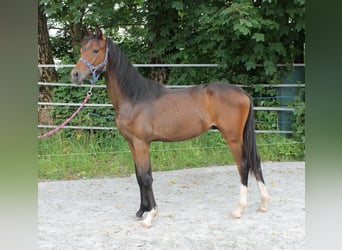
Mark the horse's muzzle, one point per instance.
(77, 76)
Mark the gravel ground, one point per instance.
(194, 211)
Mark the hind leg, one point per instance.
(235, 145)
(264, 196)
(242, 202)
(244, 168)
(243, 172)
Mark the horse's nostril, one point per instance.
(74, 75)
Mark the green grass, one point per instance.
(78, 154)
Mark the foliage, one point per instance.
(280, 148)
(89, 116)
(298, 116)
(265, 97)
(238, 35)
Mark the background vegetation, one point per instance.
(246, 38)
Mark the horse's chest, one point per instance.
(132, 125)
(121, 123)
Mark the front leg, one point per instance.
(147, 201)
(141, 155)
(145, 180)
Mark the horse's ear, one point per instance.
(99, 33)
(88, 32)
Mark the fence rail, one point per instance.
(57, 84)
(114, 128)
(208, 65)
(67, 104)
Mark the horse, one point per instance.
(147, 111)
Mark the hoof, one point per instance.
(236, 216)
(264, 204)
(148, 220)
(139, 213)
(238, 211)
(262, 209)
(137, 218)
(146, 224)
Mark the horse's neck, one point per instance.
(113, 90)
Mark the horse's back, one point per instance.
(225, 87)
(227, 93)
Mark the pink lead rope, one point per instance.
(67, 120)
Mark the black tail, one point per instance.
(250, 157)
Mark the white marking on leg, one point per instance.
(264, 196)
(147, 222)
(242, 202)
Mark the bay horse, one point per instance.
(147, 111)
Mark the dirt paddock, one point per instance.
(194, 211)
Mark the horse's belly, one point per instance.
(179, 129)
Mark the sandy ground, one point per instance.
(194, 211)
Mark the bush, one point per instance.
(298, 116)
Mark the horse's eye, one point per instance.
(95, 51)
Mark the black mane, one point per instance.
(133, 85)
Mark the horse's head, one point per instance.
(94, 56)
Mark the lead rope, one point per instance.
(89, 93)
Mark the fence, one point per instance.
(282, 125)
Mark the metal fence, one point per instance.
(109, 105)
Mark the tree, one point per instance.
(247, 38)
(162, 23)
(45, 74)
(67, 18)
(70, 17)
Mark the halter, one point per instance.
(93, 68)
